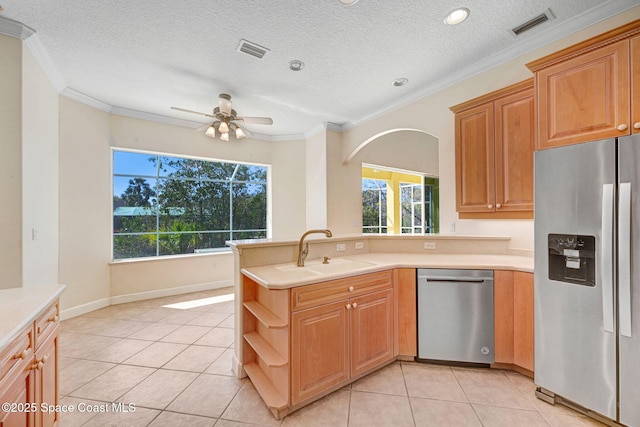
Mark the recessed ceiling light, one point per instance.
(400, 82)
(348, 2)
(296, 65)
(456, 16)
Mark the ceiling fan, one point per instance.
(226, 119)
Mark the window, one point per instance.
(165, 205)
(374, 206)
(398, 202)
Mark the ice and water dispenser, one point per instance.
(572, 259)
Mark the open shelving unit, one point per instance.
(266, 343)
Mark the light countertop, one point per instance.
(21, 306)
(284, 276)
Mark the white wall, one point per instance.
(84, 204)
(316, 180)
(10, 162)
(39, 175)
(288, 219)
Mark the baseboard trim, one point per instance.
(84, 308)
(140, 296)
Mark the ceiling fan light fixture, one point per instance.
(456, 16)
(224, 136)
(239, 133)
(211, 131)
(224, 127)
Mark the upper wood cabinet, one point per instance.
(495, 136)
(589, 91)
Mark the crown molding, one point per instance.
(67, 92)
(577, 23)
(47, 64)
(16, 29)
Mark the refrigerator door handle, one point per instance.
(624, 258)
(607, 257)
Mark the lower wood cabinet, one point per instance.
(29, 373)
(320, 350)
(335, 343)
(513, 320)
(304, 342)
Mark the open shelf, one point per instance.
(264, 350)
(266, 317)
(267, 391)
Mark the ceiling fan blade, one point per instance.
(194, 112)
(256, 120)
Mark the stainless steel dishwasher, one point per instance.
(455, 316)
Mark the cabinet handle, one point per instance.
(348, 306)
(39, 365)
(22, 355)
(350, 288)
(44, 359)
(622, 127)
(498, 205)
(53, 318)
(354, 305)
(490, 206)
(636, 125)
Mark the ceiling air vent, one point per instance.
(252, 49)
(534, 22)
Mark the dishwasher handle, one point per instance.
(455, 279)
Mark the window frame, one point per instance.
(267, 183)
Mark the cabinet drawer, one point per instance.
(18, 353)
(334, 290)
(47, 323)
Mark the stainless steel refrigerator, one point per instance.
(587, 276)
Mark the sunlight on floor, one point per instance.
(185, 305)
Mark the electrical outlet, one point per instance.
(429, 245)
(341, 247)
(359, 245)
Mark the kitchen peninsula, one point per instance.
(29, 323)
(303, 332)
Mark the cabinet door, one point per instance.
(19, 390)
(515, 144)
(475, 159)
(371, 331)
(635, 83)
(584, 98)
(46, 380)
(523, 320)
(320, 350)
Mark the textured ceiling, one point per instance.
(149, 55)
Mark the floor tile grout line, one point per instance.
(406, 389)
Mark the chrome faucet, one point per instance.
(303, 249)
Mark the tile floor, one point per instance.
(173, 365)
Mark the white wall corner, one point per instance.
(46, 63)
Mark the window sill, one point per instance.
(225, 252)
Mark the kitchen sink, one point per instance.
(316, 267)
